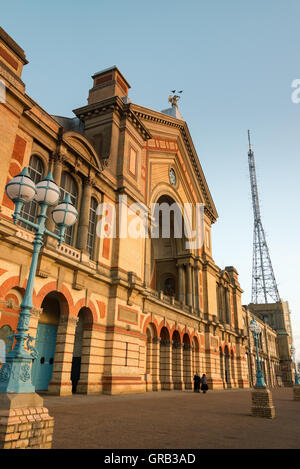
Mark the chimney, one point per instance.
(107, 83)
(11, 54)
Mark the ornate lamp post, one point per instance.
(256, 330)
(297, 380)
(15, 374)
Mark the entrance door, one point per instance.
(43, 365)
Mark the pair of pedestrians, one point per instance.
(200, 383)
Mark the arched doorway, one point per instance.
(164, 359)
(187, 365)
(176, 360)
(77, 349)
(5, 332)
(45, 342)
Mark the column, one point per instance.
(189, 290)
(57, 172)
(227, 307)
(197, 288)
(84, 216)
(181, 283)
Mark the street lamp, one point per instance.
(256, 330)
(15, 374)
(297, 380)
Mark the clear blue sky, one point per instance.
(235, 61)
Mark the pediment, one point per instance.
(81, 145)
(177, 130)
(225, 276)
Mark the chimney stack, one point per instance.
(107, 83)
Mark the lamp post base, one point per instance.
(262, 403)
(24, 422)
(296, 392)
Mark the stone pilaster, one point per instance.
(242, 366)
(165, 365)
(149, 364)
(92, 359)
(187, 367)
(57, 172)
(60, 383)
(181, 283)
(197, 288)
(189, 289)
(156, 385)
(177, 368)
(83, 224)
(227, 307)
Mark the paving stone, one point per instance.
(173, 419)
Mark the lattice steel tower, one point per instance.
(264, 286)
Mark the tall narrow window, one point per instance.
(30, 210)
(92, 227)
(68, 186)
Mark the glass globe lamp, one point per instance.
(21, 188)
(254, 327)
(65, 214)
(47, 191)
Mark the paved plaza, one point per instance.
(173, 420)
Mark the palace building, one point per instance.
(117, 314)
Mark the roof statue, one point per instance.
(175, 98)
(173, 111)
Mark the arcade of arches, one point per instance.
(68, 349)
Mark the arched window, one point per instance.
(169, 287)
(68, 186)
(30, 210)
(92, 227)
(5, 332)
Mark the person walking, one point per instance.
(197, 381)
(204, 386)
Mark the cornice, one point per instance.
(13, 45)
(10, 75)
(114, 104)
